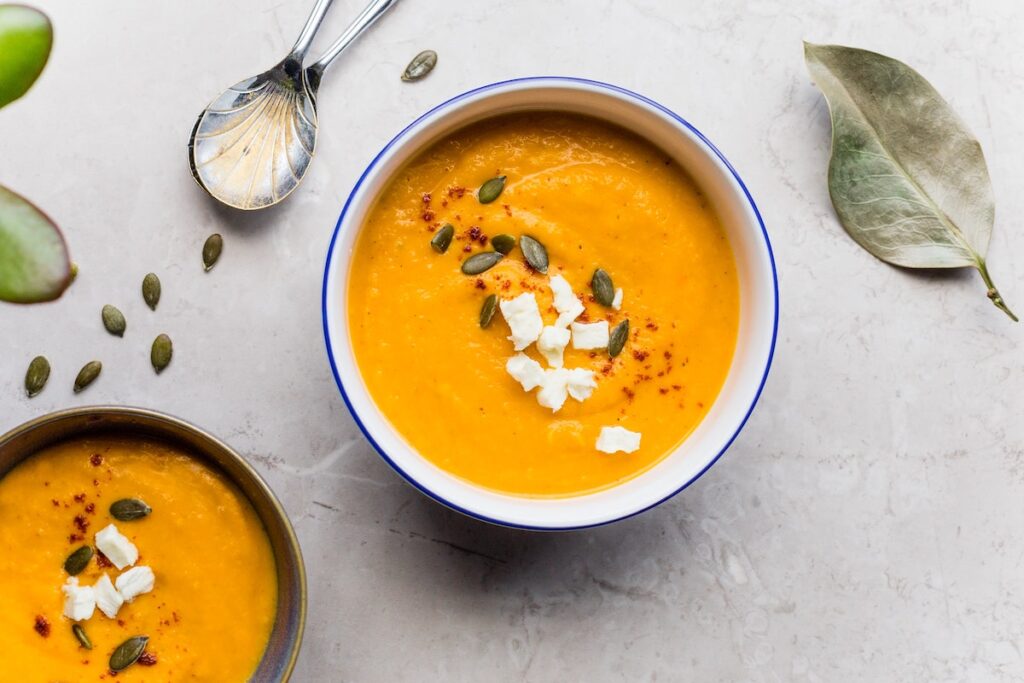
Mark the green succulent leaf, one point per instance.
(34, 263)
(908, 180)
(25, 40)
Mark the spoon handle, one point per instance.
(374, 11)
(316, 17)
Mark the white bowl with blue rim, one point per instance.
(759, 304)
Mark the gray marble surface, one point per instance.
(866, 526)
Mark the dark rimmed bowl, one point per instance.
(286, 637)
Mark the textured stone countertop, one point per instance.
(868, 524)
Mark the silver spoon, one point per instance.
(252, 146)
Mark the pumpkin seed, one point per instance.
(617, 339)
(503, 244)
(421, 65)
(443, 238)
(151, 290)
(83, 639)
(36, 375)
(160, 354)
(129, 509)
(128, 652)
(535, 253)
(78, 560)
(478, 263)
(113, 320)
(604, 290)
(491, 190)
(211, 250)
(487, 310)
(87, 375)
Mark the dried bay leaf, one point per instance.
(907, 179)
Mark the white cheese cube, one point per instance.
(554, 389)
(525, 370)
(552, 343)
(568, 306)
(590, 335)
(116, 546)
(617, 300)
(135, 581)
(107, 598)
(523, 317)
(581, 383)
(80, 601)
(615, 439)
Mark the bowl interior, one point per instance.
(758, 302)
(285, 638)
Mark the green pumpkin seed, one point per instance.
(78, 560)
(443, 238)
(421, 65)
(604, 290)
(487, 310)
(211, 250)
(83, 639)
(478, 263)
(535, 253)
(491, 190)
(617, 339)
(151, 290)
(129, 509)
(503, 244)
(128, 652)
(36, 375)
(113, 320)
(87, 375)
(160, 354)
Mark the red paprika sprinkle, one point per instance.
(42, 626)
(101, 560)
(146, 659)
(96, 459)
(480, 284)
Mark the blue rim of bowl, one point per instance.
(554, 80)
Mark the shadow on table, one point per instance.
(481, 557)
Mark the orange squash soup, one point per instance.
(569, 196)
(189, 566)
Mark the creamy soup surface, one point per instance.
(596, 196)
(210, 612)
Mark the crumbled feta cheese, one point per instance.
(554, 389)
(116, 546)
(568, 306)
(107, 598)
(135, 581)
(552, 343)
(617, 300)
(590, 335)
(80, 601)
(525, 370)
(615, 439)
(581, 383)
(523, 318)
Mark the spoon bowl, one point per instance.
(251, 147)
